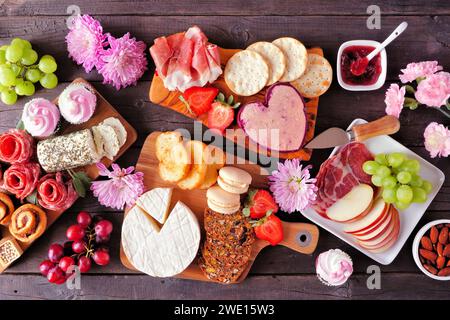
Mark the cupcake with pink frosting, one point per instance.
(334, 267)
(77, 103)
(40, 118)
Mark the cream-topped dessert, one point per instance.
(334, 267)
(40, 117)
(77, 103)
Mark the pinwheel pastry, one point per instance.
(6, 208)
(28, 223)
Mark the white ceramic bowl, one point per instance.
(416, 244)
(381, 78)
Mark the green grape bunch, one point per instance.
(20, 70)
(399, 179)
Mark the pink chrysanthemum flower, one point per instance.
(123, 186)
(292, 186)
(85, 41)
(419, 70)
(437, 140)
(124, 62)
(395, 97)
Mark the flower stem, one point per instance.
(444, 112)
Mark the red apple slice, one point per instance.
(388, 241)
(378, 229)
(369, 220)
(376, 241)
(354, 204)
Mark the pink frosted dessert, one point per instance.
(334, 267)
(40, 117)
(77, 103)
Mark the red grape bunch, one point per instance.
(86, 243)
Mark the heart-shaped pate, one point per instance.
(279, 123)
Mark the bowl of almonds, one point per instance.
(431, 249)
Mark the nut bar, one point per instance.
(69, 151)
(10, 251)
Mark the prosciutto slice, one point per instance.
(185, 60)
(21, 179)
(54, 193)
(16, 146)
(339, 174)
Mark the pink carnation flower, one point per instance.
(124, 62)
(123, 186)
(418, 70)
(395, 97)
(434, 90)
(85, 41)
(437, 140)
(292, 186)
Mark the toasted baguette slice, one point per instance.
(215, 157)
(197, 173)
(210, 177)
(164, 144)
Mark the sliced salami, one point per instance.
(54, 192)
(16, 146)
(21, 179)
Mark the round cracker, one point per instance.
(246, 73)
(317, 78)
(296, 57)
(273, 56)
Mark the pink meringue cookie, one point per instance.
(334, 267)
(40, 117)
(77, 103)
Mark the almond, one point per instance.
(434, 233)
(431, 269)
(426, 243)
(440, 262)
(427, 254)
(444, 272)
(440, 249)
(446, 252)
(443, 236)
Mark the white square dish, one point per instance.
(408, 218)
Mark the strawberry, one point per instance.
(221, 114)
(259, 204)
(269, 228)
(198, 100)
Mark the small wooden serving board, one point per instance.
(158, 94)
(103, 110)
(301, 237)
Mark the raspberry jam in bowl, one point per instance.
(375, 74)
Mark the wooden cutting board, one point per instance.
(301, 237)
(103, 110)
(158, 94)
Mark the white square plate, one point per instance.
(408, 218)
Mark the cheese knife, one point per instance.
(333, 137)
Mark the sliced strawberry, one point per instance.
(260, 203)
(270, 229)
(220, 116)
(199, 99)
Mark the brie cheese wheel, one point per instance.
(163, 252)
(156, 203)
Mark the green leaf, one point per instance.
(83, 177)
(221, 97)
(246, 212)
(411, 103)
(420, 79)
(32, 198)
(20, 125)
(410, 89)
(447, 105)
(79, 187)
(269, 212)
(236, 105)
(230, 100)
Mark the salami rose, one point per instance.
(16, 146)
(21, 179)
(55, 194)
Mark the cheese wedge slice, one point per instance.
(163, 252)
(156, 203)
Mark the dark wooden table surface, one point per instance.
(278, 272)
